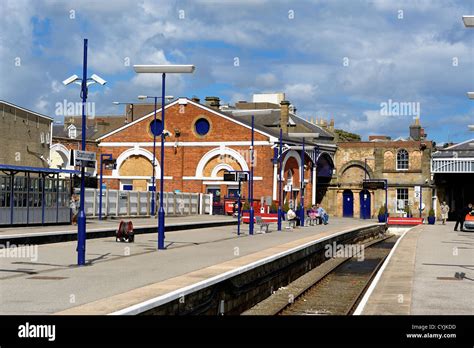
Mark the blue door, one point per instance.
(364, 198)
(348, 203)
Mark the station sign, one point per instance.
(373, 185)
(236, 176)
(81, 158)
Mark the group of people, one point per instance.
(314, 214)
(460, 214)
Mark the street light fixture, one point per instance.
(468, 21)
(81, 221)
(154, 131)
(163, 70)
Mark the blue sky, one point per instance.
(394, 50)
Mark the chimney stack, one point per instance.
(415, 130)
(213, 102)
(284, 115)
(195, 99)
(331, 125)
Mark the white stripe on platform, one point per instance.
(372, 286)
(173, 295)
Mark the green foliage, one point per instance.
(431, 212)
(246, 206)
(407, 210)
(286, 207)
(382, 210)
(342, 135)
(273, 207)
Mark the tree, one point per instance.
(342, 135)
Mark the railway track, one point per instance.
(333, 288)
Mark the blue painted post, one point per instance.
(81, 221)
(280, 173)
(238, 210)
(161, 213)
(57, 199)
(302, 187)
(386, 200)
(42, 198)
(27, 198)
(421, 199)
(12, 192)
(251, 215)
(153, 181)
(100, 188)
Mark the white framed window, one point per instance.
(72, 132)
(402, 199)
(402, 159)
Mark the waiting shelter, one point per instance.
(30, 195)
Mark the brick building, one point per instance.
(68, 136)
(206, 140)
(25, 136)
(403, 162)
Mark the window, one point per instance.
(156, 127)
(72, 132)
(202, 126)
(402, 199)
(402, 160)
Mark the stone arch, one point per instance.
(355, 163)
(63, 152)
(219, 167)
(136, 151)
(220, 151)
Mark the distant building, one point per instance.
(25, 136)
(403, 162)
(207, 139)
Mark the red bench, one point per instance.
(404, 221)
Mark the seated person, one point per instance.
(322, 215)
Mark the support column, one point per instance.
(275, 182)
(313, 187)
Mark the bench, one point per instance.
(260, 222)
(404, 221)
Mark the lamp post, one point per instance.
(302, 136)
(162, 69)
(280, 177)
(108, 157)
(81, 221)
(251, 213)
(132, 106)
(155, 131)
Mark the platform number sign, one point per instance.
(417, 192)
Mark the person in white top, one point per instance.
(444, 212)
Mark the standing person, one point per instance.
(291, 215)
(73, 204)
(461, 216)
(444, 212)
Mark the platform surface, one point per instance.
(420, 276)
(53, 283)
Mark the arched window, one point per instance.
(402, 159)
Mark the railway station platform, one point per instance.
(423, 275)
(106, 228)
(123, 278)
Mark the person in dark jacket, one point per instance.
(461, 216)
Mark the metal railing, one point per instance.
(452, 165)
(116, 203)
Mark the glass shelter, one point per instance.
(30, 195)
